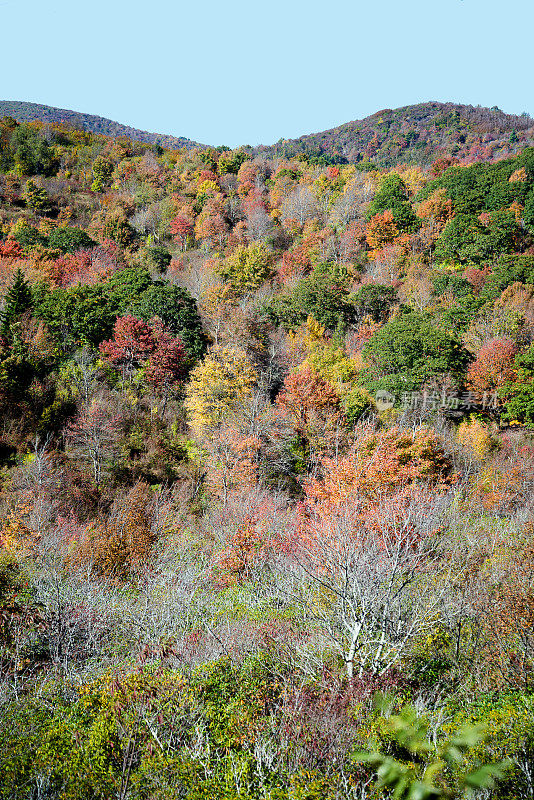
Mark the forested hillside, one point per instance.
(418, 135)
(35, 112)
(267, 469)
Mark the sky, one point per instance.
(239, 72)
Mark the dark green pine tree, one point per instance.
(17, 300)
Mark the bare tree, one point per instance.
(82, 375)
(259, 224)
(366, 586)
(349, 206)
(299, 206)
(92, 436)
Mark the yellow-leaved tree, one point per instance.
(218, 384)
(475, 436)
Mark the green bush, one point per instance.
(321, 296)
(69, 240)
(409, 350)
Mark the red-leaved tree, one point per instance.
(132, 344)
(137, 344)
(167, 362)
(494, 365)
(181, 227)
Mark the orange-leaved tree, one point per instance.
(376, 467)
(120, 544)
(494, 365)
(311, 405)
(361, 548)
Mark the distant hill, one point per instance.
(418, 134)
(30, 112)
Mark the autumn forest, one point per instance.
(267, 461)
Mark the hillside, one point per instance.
(418, 134)
(31, 112)
(267, 449)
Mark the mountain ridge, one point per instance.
(22, 111)
(417, 133)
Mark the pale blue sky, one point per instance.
(238, 73)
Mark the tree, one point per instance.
(102, 171)
(322, 295)
(88, 313)
(211, 227)
(78, 315)
(231, 456)
(392, 196)
(436, 210)
(518, 395)
(411, 347)
(506, 613)
(158, 258)
(311, 405)
(230, 162)
(182, 226)
(474, 435)
(375, 300)
(392, 190)
(32, 153)
(26, 235)
(167, 363)
(17, 300)
(361, 544)
(217, 385)
(35, 197)
(177, 310)
(78, 378)
(381, 230)
(132, 344)
(120, 545)
(299, 207)
(364, 579)
(247, 268)
(69, 240)
(114, 225)
(467, 237)
(494, 365)
(126, 286)
(92, 435)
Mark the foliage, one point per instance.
(247, 268)
(375, 300)
(217, 384)
(410, 345)
(493, 366)
(17, 300)
(377, 464)
(474, 435)
(120, 545)
(35, 197)
(518, 395)
(310, 403)
(421, 774)
(69, 240)
(178, 312)
(217, 544)
(321, 296)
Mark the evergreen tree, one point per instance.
(35, 197)
(18, 299)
